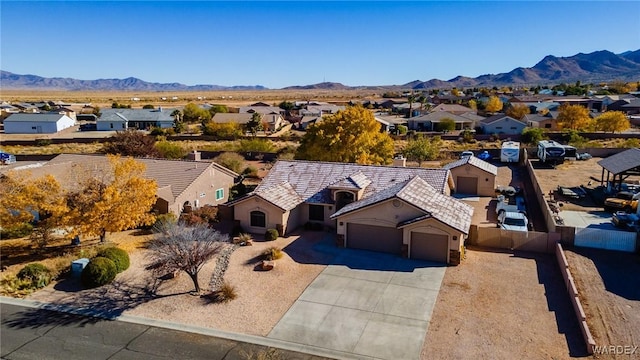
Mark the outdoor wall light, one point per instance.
(455, 238)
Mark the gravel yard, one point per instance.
(609, 288)
(262, 296)
(499, 305)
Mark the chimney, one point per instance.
(195, 156)
(400, 161)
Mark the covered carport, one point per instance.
(619, 167)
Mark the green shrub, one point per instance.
(271, 235)
(98, 272)
(170, 150)
(37, 274)
(164, 219)
(232, 161)
(17, 231)
(257, 145)
(157, 131)
(250, 171)
(119, 257)
(272, 253)
(402, 129)
(43, 142)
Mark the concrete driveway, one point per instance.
(367, 305)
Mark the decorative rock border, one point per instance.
(222, 263)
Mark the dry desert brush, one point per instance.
(182, 247)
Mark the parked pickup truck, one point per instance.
(624, 200)
(510, 204)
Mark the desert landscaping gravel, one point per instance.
(262, 296)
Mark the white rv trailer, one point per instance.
(510, 152)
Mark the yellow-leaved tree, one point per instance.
(573, 117)
(123, 202)
(24, 199)
(612, 121)
(518, 111)
(494, 104)
(352, 135)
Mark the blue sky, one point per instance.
(278, 44)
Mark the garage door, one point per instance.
(431, 247)
(467, 185)
(375, 238)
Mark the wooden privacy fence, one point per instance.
(514, 240)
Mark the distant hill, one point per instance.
(11, 81)
(597, 66)
(593, 67)
(319, 86)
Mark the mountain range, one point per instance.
(597, 66)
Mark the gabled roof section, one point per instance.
(438, 116)
(498, 117)
(356, 181)
(621, 162)
(239, 118)
(419, 193)
(282, 195)
(474, 161)
(35, 117)
(162, 115)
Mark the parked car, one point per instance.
(510, 204)
(465, 154)
(516, 221)
(630, 222)
(484, 156)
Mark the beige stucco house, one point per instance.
(180, 183)
(400, 210)
(473, 176)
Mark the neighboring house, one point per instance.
(142, 119)
(430, 121)
(7, 109)
(180, 182)
(65, 111)
(546, 122)
(305, 121)
(452, 108)
(27, 123)
(502, 124)
(473, 176)
(394, 120)
(474, 118)
(632, 108)
(405, 211)
(272, 121)
(262, 109)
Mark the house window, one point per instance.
(316, 212)
(219, 194)
(547, 126)
(513, 128)
(258, 219)
(123, 126)
(498, 127)
(111, 125)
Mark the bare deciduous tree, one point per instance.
(180, 247)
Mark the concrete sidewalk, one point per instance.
(32, 330)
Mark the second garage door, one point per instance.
(431, 247)
(467, 185)
(375, 238)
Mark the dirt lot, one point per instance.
(499, 305)
(609, 289)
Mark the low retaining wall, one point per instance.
(575, 300)
(540, 196)
(540, 242)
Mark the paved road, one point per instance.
(366, 304)
(33, 333)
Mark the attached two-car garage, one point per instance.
(424, 246)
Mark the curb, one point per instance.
(251, 339)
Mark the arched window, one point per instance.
(258, 219)
(343, 198)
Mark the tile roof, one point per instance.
(282, 195)
(35, 117)
(474, 161)
(536, 118)
(170, 175)
(261, 109)
(622, 161)
(311, 179)
(136, 115)
(452, 108)
(356, 181)
(417, 192)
